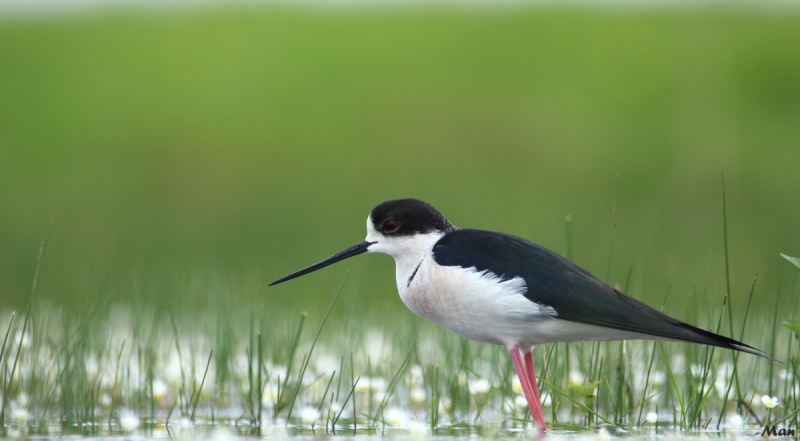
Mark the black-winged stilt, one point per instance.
(502, 289)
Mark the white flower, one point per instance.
(516, 386)
(20, 415)
(278, 372)
(173, 372)
(478, 387)
(91, 366)
(374, 344)
(105, 400)
(576, 377)
(23, 341)
(326, 364)
(520, 401)
(696, 370)
(652, 417)
(159, 390)
(23, 399)
(129, 422)
(418, 395)
(186, 422)
(418, 429)
(377, 385)
(462, 379)
(309, 415)
(657, 378)
(603, 435)
(735, 422)
(769, 401)
(270, 395)
(416, 372)
(396, 417)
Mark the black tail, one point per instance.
(700, 336)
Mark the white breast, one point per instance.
(476, 305)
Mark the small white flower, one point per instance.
(520, 401)
(270, 395)
(651, 417)
(278, 372)
(396, 417)
(221, 433)
(326, 364)
(376, 385)
(20, 415)
(416, 372)
(91, 366)
(186, 423)
(657, 378)
(418, 429)
(309, 415)
(478, 387)
(516, 386)
(129, 422)
(173, 372)
(335, 407)
(418, 395)
(769, 401)
(603, 435)
(696, 370)
(576, 377)
(23, 400)
(105, 400)
(462, 379)
(735, 422)
(159, 390)
(23, 341)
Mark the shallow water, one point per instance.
(233, 428)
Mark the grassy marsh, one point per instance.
(175, 164)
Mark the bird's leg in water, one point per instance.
(531, 390)
(532, 375)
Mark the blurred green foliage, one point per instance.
(191, 157)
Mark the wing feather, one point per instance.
(574, 293)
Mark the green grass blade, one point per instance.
(674, 383)
(197, 399)
(576, 402)
(313, 344)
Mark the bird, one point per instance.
(506, 290)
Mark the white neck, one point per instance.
(408, 251)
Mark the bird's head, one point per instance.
(399, 227)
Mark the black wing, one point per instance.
(574, 293)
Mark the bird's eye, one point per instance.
(390, 226)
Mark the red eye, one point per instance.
(390, 226)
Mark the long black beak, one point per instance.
(354, 250)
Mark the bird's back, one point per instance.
(573, 294)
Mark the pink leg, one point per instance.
(531, 392)
(532, 375)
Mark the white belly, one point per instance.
(480, 307)
(475, 305)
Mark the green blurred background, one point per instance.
(191, 156)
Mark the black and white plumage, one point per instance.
(502, 289)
